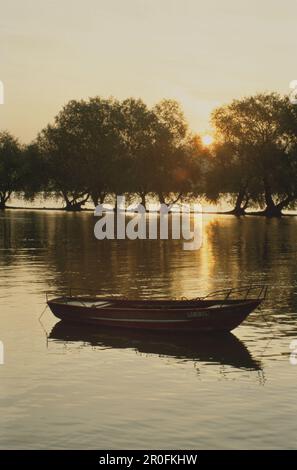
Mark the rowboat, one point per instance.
(217, 311)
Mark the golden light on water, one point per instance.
(207, 139)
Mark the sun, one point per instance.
(207, 139)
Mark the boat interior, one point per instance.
(146, 304)
(222, 298)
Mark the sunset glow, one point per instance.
(207, 140)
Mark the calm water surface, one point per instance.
(64, 388)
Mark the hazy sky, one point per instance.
(200, 52)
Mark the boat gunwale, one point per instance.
(221, 304)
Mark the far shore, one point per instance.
(86, 209)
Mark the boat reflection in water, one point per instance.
(223, 349)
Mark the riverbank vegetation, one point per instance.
(99, 148)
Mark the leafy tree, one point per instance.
(61, 145)
(173, 145)
(102, 147)
(253, 130)
(159, 151)
(34, 174)
(138, 133)
(228, 176)
(10, 167)
(83, 151)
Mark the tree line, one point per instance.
(99, 147)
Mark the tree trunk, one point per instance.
(246, 203)
(4, 196)
(177, 199)
(98, 197)
(102, 197)
(241, 203)
(143, 201)
(283, 204)
(95, 199)
(161, 198)
(271, 209)
(74, 205)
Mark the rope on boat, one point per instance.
(43, 312)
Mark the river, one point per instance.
(74, 388)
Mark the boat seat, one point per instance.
(100, 304)
(86, 303)
(219, 306)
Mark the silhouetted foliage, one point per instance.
(99, 147)
(252, 151)
(34, 174)
(10, 167)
